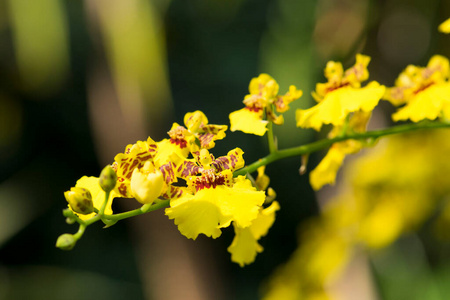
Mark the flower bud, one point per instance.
(194, 120)
(147, 183)
(108, 179)
(66, 241)
(67, 213)
(80, 200)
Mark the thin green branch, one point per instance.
(325, 143)
(137, 212)
(275, 155)
(270, 138)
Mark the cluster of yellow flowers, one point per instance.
(395, 188)
(389, 196)
(205, 194)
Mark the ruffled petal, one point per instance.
(241, 202)
(326, 170)
(213, 208)
(196, 215)
(248, 121)
(337, 104)
(245, 246)
(166, 149)
(427, 104)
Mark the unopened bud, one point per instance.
(80, 200)
(108, 179)
(146, 184)
(67, 213)
(66, 241)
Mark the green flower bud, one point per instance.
(80, 200)
(108, 179)
(67, 213)
(66, 241)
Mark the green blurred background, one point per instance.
(79, 80)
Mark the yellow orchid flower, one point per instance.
(259, 103)
(215, 198)
(425, 91)
(341, 95)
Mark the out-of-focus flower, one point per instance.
(425, 91)
(259, 106)
(341, 95)
(390, 196)
(445, 26)
(326, 170)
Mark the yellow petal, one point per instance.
(336, 105)
(427, 104)
(445, 26)
(213, 208)
(382, 226)
(194, 120)
(242, 202)
(248, 122)
(260, 226)
(265, 85)
(146, 186)
(167, 150)
(195, 215)
(326, 170)
(245, 247)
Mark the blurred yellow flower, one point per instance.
(341, 95)
(424, 90)
(326, 170)
(445, 26)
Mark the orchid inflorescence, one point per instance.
(204, 193)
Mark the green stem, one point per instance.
(102, 209)
(137, 212)
(270, 138)
(272, 157)
(80, 232)
(325, 143)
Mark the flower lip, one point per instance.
(178, 137)
(209, 179)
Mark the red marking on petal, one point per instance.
(422, 88)
(179, 142)
(253, 108)
(209, 181)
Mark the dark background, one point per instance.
(79, 80)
